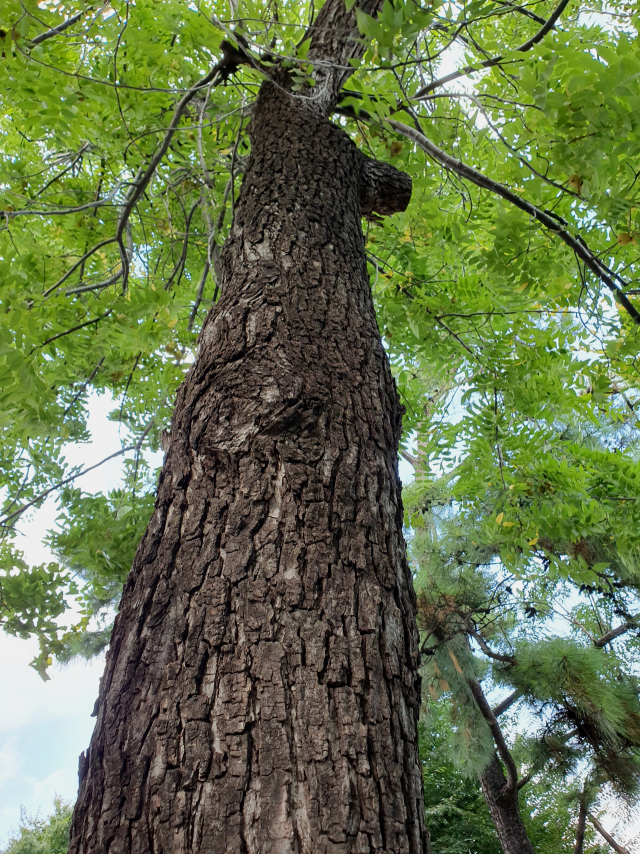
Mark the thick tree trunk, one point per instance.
(503, 806)
(261, 690)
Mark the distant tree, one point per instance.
(549, 631)
(43, 836)
(457, 813)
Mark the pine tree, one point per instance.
(558, 643)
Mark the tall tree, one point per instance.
(261, 689)
(121, 161)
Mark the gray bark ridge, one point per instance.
(261, 691)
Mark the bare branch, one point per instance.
(496, 732)
(507, 703)
(64, 211)
(615, 633)
(408, 457)
(59, 29)
(507, 659)
(83, 289)
(524, 11)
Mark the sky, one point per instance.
(44, 726)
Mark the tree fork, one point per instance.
(503, 806)
(261, 691)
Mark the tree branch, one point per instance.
(489, 63)
(196, 305)
(214, 76)
(408, 457)
(66, 480)
(557, 226)
(616, 847)
(185, 246)
(496, 732)
(507, 703)
(615, 633)
(59, 29)
(78, 264)
(582, 820)
(484, 646)
(64, 211)
(69, 331)
(384, 189)
(335, 39)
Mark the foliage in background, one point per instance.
(457, 815)
(550, 639)
(43, 836)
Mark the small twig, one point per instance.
(499, 449)
(83, 289)
(196, 305)
(84, 385)
(453, 335)
(126, 390)
(179, 267)
(207, 177)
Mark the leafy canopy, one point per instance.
(118, 175)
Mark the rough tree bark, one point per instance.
(503, 806)
(261, 691)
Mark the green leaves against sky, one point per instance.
(517, 365)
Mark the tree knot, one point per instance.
(384, 190)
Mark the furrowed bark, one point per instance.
(261, 691)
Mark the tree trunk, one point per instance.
(582, 821)
(261, 691)
(503, 806)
